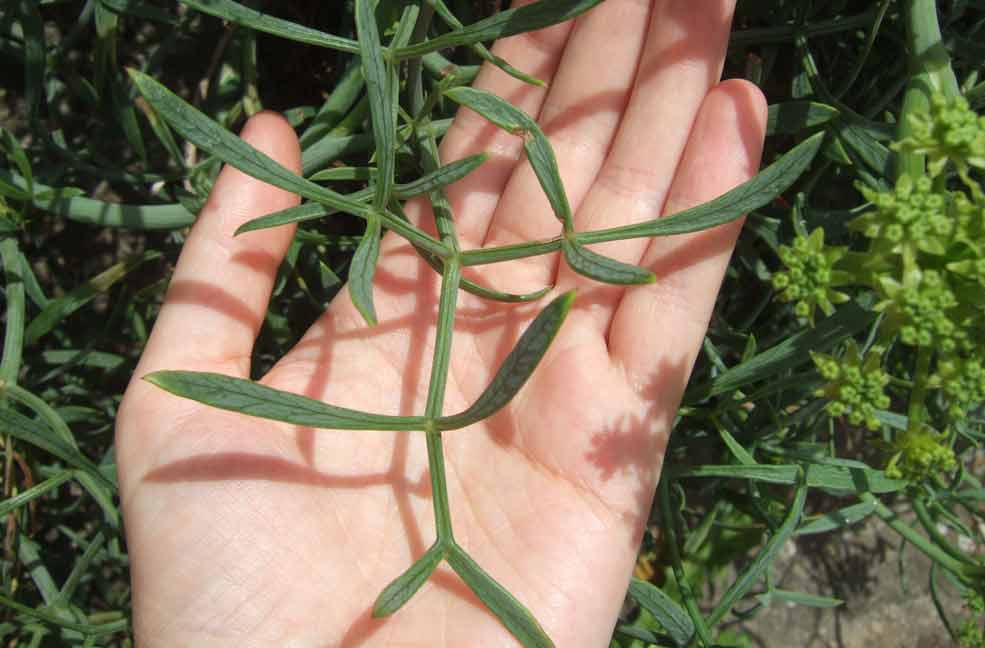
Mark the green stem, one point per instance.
(931, 550)
(436, 396)
(917, 407)
(928, 524)
(930, 72)
(13, 337)
(690, 601)
(415, 68)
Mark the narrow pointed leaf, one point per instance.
(500, 602)
(363, 269)
(763, 560)
(213, 138)
(517, 367)
(310, 211)
(602, 268)
(664, 609)
(505, 297)
(59, 309)
(752, 194)
(36, 491)
(538, 148)
(502, 253)
(805, 599)
(440, 177)
(393, 597)
(834, 478)
(380, 101)
(344, 174)
(794, 116)
(505, 23)
(483, 291)
(299, 214)
(837, 519)
(239, 14)
(32, 26)
(481, 50)
(253, 399)
(848, 320)
(37, 434)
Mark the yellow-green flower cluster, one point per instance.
(912, 216)
(925, 310)
(810, 275)
(920, 453)
(856, 389)
(951, 131)
(963, 383)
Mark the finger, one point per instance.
(683, 60)
(218, 295)
(580, 116)
(474, 198)
(666, 321)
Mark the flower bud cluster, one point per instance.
(912, 216)
(920, 454)
(950, 131)
(810, 275)
(963, 383)
(925, 310)
(856, 389)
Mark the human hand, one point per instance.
(251, 533)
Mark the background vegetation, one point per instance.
(813, 407)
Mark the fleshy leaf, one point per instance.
(380, 101)
(362, 270)
(500, 25)
(500, 602)
(535, 143)
(254, 399)
(664, 609)
(398, 592)
(239, 14)
(517, 367)
(752, 194)
(602, 268)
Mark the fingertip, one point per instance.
(739, 108)
(270, 132)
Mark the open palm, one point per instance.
(250, 533)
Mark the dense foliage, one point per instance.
(841, 381)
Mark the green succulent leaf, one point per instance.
(380, 101)
(529, 17)
(500, 602)
(539, 151)
(398, 592)
(39, 435)
(750, 195)
(602, 268)
(764, 559)
(253, 399)
(517, 367)
(213, 138)
(239, 14)
(362, 270)
(664, 609)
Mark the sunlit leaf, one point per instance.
(254, 399)
(517, 367)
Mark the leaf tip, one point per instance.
(156, 378)
(565, 301)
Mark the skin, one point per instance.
(248, 533)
